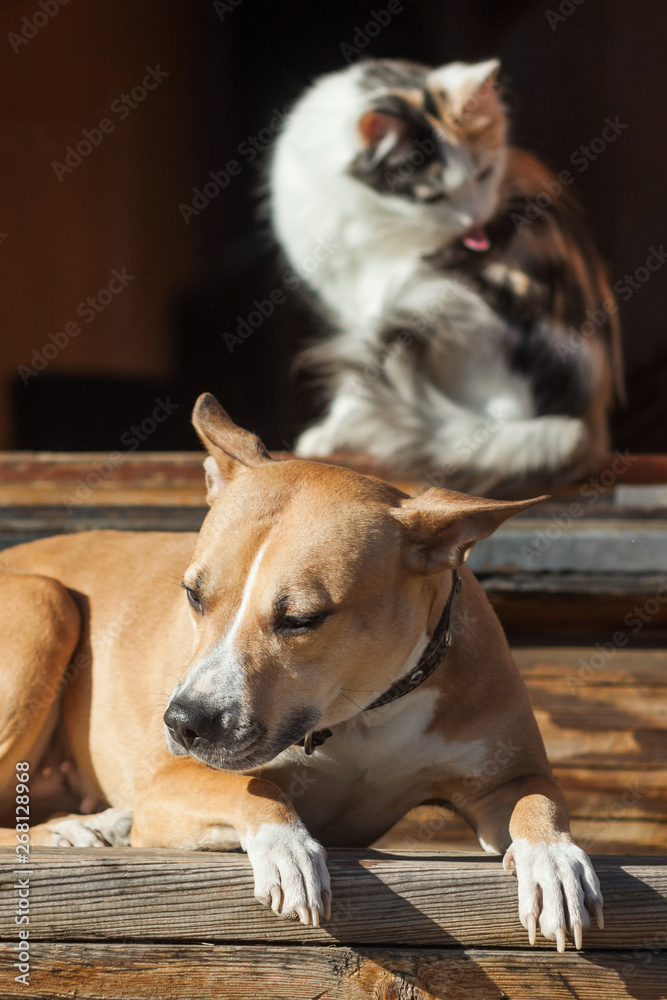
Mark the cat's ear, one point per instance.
(471, 88)
(381, 133)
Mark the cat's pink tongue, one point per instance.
(476, 239)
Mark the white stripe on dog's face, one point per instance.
(220, 672)
(245, 599)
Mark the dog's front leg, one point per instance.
(557, 882)
(190, 806)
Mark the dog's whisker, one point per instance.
(352, 701)
(165, 578)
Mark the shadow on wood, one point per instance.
(406, 926)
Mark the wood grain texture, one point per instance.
(393, 899)
(185, 972)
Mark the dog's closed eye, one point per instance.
(298, 624)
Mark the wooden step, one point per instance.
(177, 925)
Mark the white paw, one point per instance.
(557, 886)
(110, 828)
(315, 442)
(290, 871)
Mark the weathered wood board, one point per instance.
(392, 898)
(28, 477)
(241, 972)
(404, 926)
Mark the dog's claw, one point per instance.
(304, 915)
(577, 935)
(276, 898)
(599, 916)
(314, 916)
(508, 862)
(532, 927)
(560, 939)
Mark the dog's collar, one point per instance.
(433, 655)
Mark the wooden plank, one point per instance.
(579, 704)
(593, 557)
(618, 666)
(563, 584)
(583, 545)
(430, 828)
(575, 616)
(176, 477)
(238, 972)
(394, 899)
(617, 794)
(21, 524)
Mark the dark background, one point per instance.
(162, 337)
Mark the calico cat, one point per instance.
(475, 339)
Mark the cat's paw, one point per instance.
(110, 828)
(290, 871)
(315, 442)
(557, 887)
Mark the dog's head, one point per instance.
(310, 588)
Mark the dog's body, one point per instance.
(313, 590)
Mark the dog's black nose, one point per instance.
(188, 722)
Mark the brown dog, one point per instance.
(314, 594)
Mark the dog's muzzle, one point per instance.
(227, 739)
(193, 729)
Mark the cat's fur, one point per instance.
(463, 363)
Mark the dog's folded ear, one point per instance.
(231, 449)
(441, 526)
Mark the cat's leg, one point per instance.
(353, 419)
(417, 430)
(484, 453)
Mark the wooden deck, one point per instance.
(157, 924)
